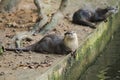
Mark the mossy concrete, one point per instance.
(70, 68)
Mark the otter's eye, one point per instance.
(67, 33)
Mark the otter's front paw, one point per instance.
(93, 26)
(73, 54)
(105, 20)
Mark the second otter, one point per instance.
(89, 18)
(53, 44)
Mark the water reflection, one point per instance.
(107, 66)
(113, 72)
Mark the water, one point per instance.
(107, 65)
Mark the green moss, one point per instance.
(1, 50)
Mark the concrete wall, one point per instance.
(71, 69)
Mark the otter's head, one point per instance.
(70, 35)
(71, 40)
(112, 10)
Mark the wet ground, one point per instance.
(107, 65)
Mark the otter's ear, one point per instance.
(117, 8)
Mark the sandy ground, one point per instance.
(12, 63)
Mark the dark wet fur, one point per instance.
(87, 17)
(49, 44)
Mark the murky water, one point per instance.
(107, 66)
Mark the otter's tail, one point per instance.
(17, 49)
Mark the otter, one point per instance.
(53, 43)
(89, 18)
